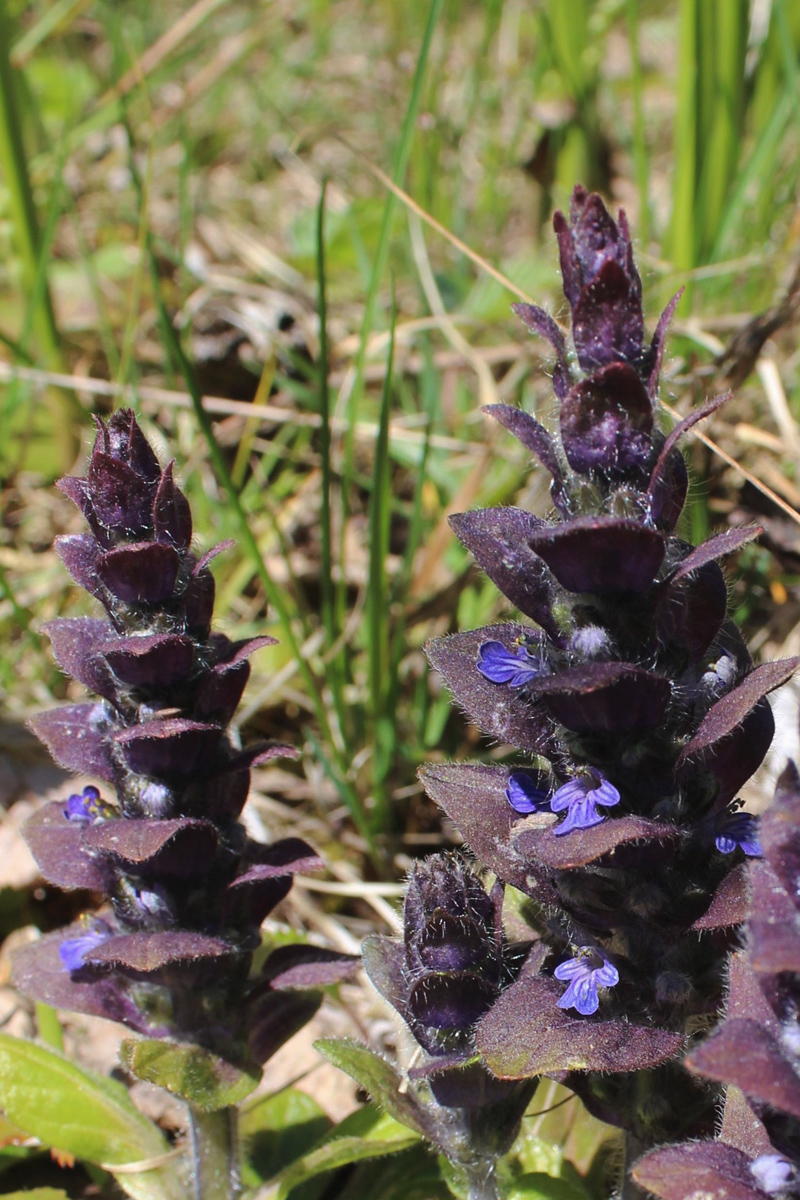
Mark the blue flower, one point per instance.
(581, 796)
(87, 806)
(514, 667)
(524, 795)
(72, 951)
(734, 829)
(586, 972)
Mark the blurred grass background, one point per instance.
(193, 222)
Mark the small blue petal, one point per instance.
(499, 665)
(523, 794)
(72, 951)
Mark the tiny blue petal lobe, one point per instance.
(524, 795)
(72, 951)
(737, 829)
(87, 807)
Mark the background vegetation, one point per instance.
(315, 215)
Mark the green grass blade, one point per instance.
(378, 615)
(66, 412)
(682, 235)
(640, 158)
(330, 623)
(382, 251)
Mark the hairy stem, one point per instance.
(214, 1154)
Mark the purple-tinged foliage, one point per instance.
(187, 888)
(756, 1049)
(632, 704)
(442, 978)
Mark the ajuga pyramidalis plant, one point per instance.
(637, 714)
(756, 1050)
(171, 955)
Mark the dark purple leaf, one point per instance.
(169, 747)
(172, 516)
(733, 760)
(746, 998)
(144, 573)
(728, 713)
(608, 696)
(125, 440)
(745, 1054)
(525, 1034)
(277, 1016)
(148, 952)
(538, 321)
(38, 972)
(712, 1170)
(197, 602)
(583, 846)
(220, 692)
(462, 1084)
(691, 609)
(607, 421)
(499, 539)
(655, 353)
(78, 491)
(450, 1002)
(741, 1127)
(474, 798)
(716, 547)
(533, 436)
(498, 711)
(600, 554)
(659, 489)
(80, 554)
(55, 843)
(228, 652)
(121, 500)
(729, 904)
(150, 660)
(76, 642)
(181, 847)
(308, 966)
(251, 898)
(607, 321)
(774, 923)
(77, 737)
(780, 832)
(289, 856)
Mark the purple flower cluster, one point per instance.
(636, 711)
(187, 888)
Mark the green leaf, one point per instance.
(379, 1078)
(86, 1115)
(278, 1129)
(411, 1175)
(203, 1079)
(365, 1134)
(545, 1187)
